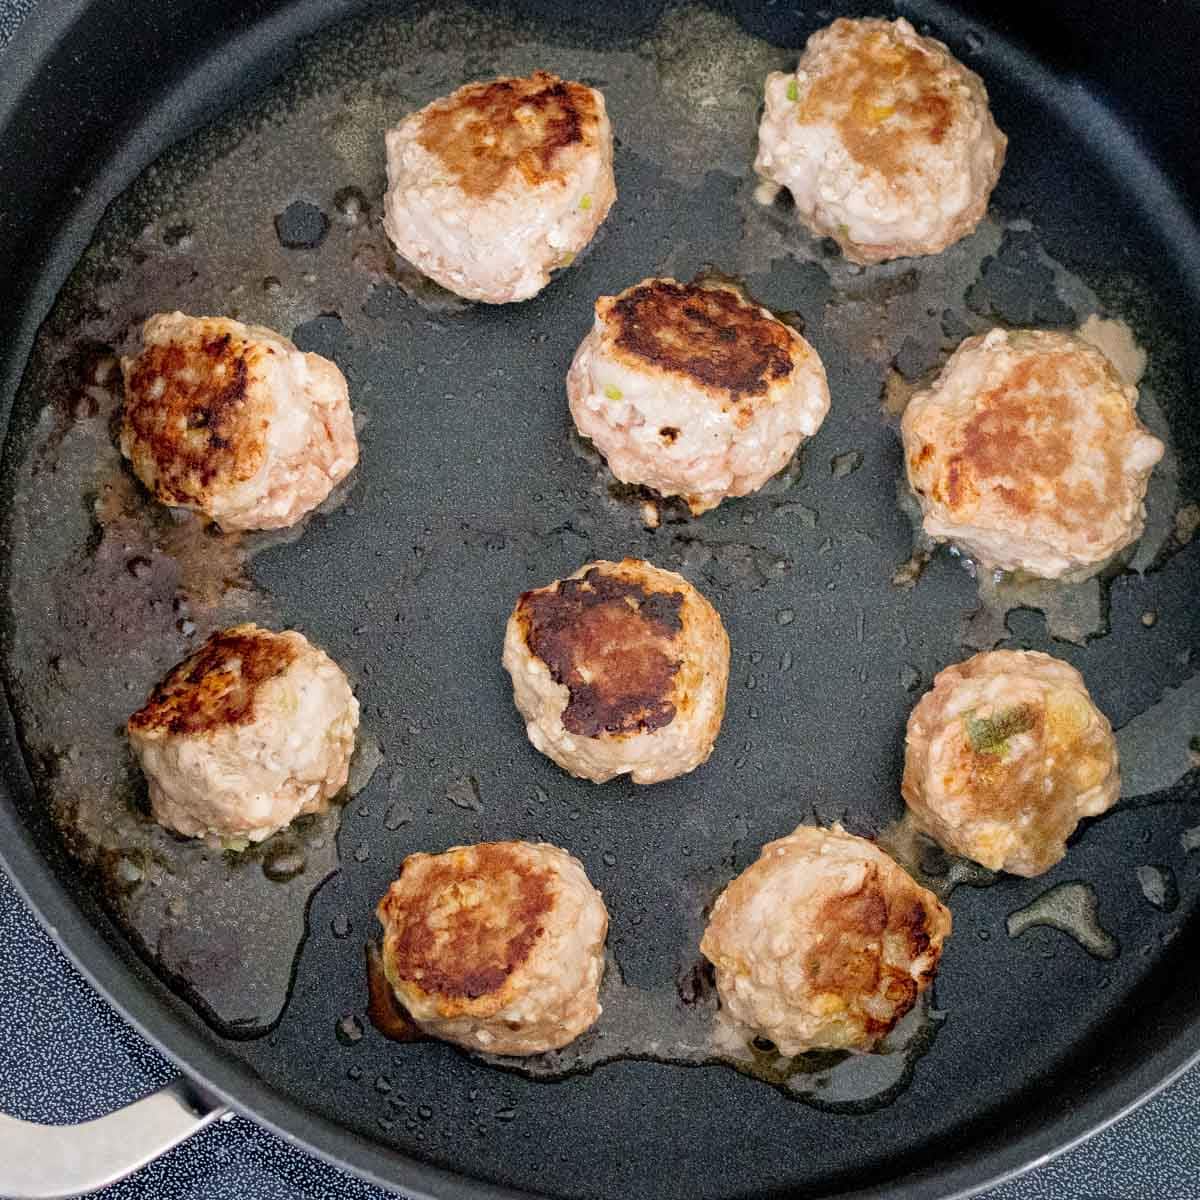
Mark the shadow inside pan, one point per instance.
(471, 490)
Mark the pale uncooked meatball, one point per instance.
(252, 730)
(1004, 755)
(497, 947)
(884, 139)
(233, 421)
(694, 391)
(619, 669)
(1027, 453)
(824, 943)
(497, 184)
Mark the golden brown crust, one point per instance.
(188, 402)
(707, 334)
(846, 958)
(1029, 417)
(612, 642)
(485, 131)
(880, 78)
(218, 685)
(458, 925)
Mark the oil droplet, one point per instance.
(785, 662)
(464, 793)
(845, 464)
(383, 1084)
(367, 756)
(341, 926)
(397, 814)
(1071, 908)
(610, 859)
(1189, 839)
(301, 226)
(355, 1073)
(910, 678)
(351, 204)
(348, 1029)
(362, 852)
(425, 1112)
(283, 864)
(1159, 886)
(138, 566)
(505, 1114)
(271, 284)
(785, 616)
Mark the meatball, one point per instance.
(619, 669)
(233, 421)
(1027, 453)
(824, 943)
(694, 391)
(497, 947)
(1003, 757)
(884, 140)
(492, 187)
(252, 730)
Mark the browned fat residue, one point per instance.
(887, 99)
(218, 685)
(709, 334)
(1026, 426)
(848, 957)
(609, 640)
(186, 406)
(385, 1012)
(459, 924)
(486, 131)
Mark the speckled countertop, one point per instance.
(66, 1054)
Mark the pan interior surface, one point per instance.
(471, 489)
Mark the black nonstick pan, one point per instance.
(226, 158)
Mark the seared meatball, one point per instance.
(824, 943)
(252, 730)
(1028, 454)
(694, 391)
(1004, 756)
(496, 947)
(883, 138)
(492, 187)
(619, 669)
(233, 421)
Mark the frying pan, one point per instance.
(248, 969)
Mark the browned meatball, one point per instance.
(496, 947)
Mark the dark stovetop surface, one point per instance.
(67, 1056)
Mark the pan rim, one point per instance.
(146, 1005)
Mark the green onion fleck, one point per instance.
(793, 92)
(613, 393)
(586, 202)
(989, 735)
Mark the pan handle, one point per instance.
(48, 1162)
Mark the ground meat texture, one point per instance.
(1028, 454)
(252, 730)
(499, 183)
(619, 669)
(824, 943)
(233, 421)
(884, 139)
(1004, 756)
(496, 947)
(694, 391)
